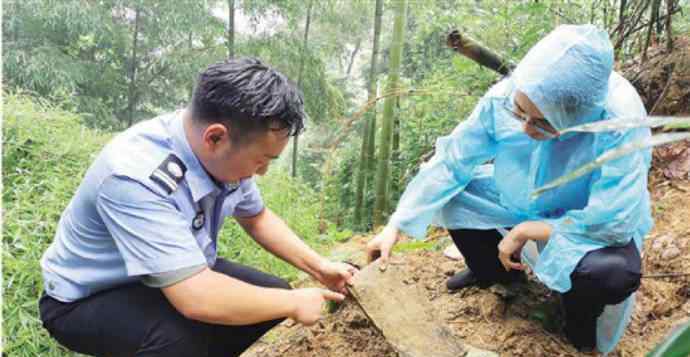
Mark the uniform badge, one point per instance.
(169, 174)
(232, 186)
(199, 220)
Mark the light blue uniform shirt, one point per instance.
(145, 206)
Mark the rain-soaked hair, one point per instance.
(249, 97)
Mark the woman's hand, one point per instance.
(382, 244)
(510, 247)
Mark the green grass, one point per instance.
(45, 154)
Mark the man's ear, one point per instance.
(214, 135)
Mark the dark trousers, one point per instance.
(136, 320)
(605, 276)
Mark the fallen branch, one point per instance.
(471, 49)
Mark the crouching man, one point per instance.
(133, 269)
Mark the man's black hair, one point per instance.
(249, 97)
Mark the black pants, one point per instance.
(135, 320)
(603, 277)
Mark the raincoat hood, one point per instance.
(566, 75)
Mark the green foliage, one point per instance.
(548, 315)
(46, 152)
(677, 344)
(293, 201)
(413, 246)
(447, 86)
(83, 50)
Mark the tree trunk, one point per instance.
(653, 12)
(361, 177)
(621, 18)
(191, 45)
(295, 139)
(369, 130)
(669, 30)
(620, 29)
(382, 176)
(374, 91)
(14, 22)
(478, 53)
(607, 22)
(395, 177)
(352, 58)
(131, 96)
(231, 28)
(636, 15)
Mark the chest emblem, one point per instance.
(199, 221)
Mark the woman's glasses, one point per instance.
(541, 124)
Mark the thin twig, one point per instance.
(662, 96)
(664, 275)
(435, 236)
(663, 92)
(560, 344)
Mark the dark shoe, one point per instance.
(464, 279)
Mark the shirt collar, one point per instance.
(199, 181)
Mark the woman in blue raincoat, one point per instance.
(589, 231)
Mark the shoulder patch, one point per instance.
(169, 174)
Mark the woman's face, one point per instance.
(533, 122)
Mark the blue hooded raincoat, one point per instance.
(569, 76)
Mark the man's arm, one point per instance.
(217, 298)
(156, 244)
(272, 233)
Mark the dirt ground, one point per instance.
(528, 325)
(663, 81)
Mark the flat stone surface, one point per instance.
(401, 312)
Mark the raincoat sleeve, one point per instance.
(448, 172)
(618, 201)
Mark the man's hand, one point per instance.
(308, 304)
(335, 275)
(510, 247)
(382, 244)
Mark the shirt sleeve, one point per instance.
(251, 203)
(150, 233)
(447, 173)
(162, 280)
(618, 202)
